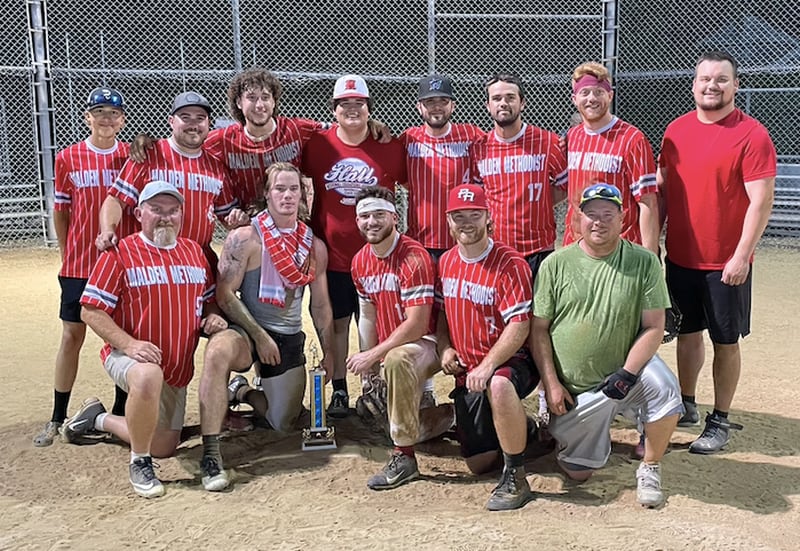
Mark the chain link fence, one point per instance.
(153, 51)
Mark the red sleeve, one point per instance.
(642, 168)
(105, 282)
(760, 160)
(416, 289)
(63, 184)
(515, 304)
(132, 178)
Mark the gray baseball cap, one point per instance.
(158, 187)
(188, 99)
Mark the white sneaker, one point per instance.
(648, 485)
(143, 478)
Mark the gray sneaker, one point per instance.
(83, 421)
(215, 479)
(48, 434)
(512, 492)
(715, 435)
(691, 418)
(399, 470)
(648, 485)
(143, 478)
(340, 405)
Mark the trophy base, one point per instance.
(319, 439)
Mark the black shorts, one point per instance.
(707, 303)
(535, 260)
(291, 348)
(474, 422)
(344, 297)
(71, 291)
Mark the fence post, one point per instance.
(610, 42)
(43, 111)
(431, 36)
(237, 35)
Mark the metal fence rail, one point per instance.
(152, 51)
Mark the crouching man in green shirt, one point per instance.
(598, 321)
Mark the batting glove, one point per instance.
(619, 384)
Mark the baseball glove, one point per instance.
(371, 405)
(672, 324)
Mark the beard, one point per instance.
(165, 236)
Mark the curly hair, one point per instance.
(252, 79)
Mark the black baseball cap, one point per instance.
(435, 86)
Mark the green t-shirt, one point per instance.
(595, 308)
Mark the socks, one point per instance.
(689, 399)
(99, 421)
(428, 385)
(211, 445)
(718, 413)
(60, 403)
(120, 398)
(135, 456)
(339, 384)
(405, 450)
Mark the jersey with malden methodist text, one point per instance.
(156, 295)
(618, 154)
(248, 160)
(400, 280)
(202, 180)
(435, 166)
(83, 175)
(339, 171)
(481, 296)
(518, 175)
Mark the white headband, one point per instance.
(371, 204)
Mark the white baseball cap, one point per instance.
(157, 187)
(350, 86)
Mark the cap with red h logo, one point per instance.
(467, 196)
(350, 86)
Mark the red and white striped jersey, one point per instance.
(481, 297)
(618, 154)
(339, 171)
(202, 179)
(435, 166)
(518, 175)
(84, 175)
(156, 295)
(248, 160)
(403, 278)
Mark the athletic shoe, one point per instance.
(691, 418)
(512, 492)
(143, 478)
(83, 421)
(400, 469)
(48, 434)
(428, 400)
(215, 478)
(234, 386)
(648, 485)
(715, 435)
(339, 406)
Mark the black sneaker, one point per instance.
(400, 469)
(340, 405)
(235, 387)
(715, 436)
(691, 418)
(214, 477)
(143, 478)
(512, 492)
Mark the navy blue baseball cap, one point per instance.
(105, 97)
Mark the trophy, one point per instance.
(318, 436)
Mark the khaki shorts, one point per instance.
(172, 405)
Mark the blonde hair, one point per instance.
(269, 178)
(592, 68)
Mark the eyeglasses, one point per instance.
(602, 191)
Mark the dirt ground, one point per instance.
(78, 497)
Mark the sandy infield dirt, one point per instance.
(79, 497)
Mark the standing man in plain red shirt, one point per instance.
(717, 171)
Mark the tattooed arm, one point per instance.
(320, 307)
(240, 253)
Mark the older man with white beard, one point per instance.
(148, 355)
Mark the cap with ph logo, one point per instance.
(467, 196)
